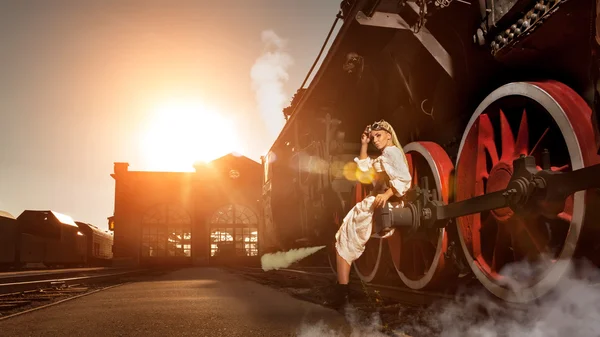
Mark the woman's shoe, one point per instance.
(338, 296)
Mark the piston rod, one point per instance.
(528, 188)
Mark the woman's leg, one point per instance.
(343, 269)
(339, 294)
(352, 236)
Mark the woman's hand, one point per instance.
(381, 200)
(365, 138)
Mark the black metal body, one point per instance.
(528, 190)
(424, 69)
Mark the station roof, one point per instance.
(5, 214)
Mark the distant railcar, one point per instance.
(98, 244)
(8, 239)
(51, 238)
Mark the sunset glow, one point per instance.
(182, 133)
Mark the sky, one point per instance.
(157, 84)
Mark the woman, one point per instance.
(392, 180)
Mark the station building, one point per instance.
(209, 216)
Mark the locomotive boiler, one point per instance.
(495, 104)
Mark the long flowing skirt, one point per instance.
(356, 230)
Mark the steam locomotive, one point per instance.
(52, 239)
(495, 104)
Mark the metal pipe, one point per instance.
(385, 219)
(478, 204)
(544, 186)
(560, 185)
(555, 186)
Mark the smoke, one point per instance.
(269, 74)
(285, 259)
(357, 327)
(572, 309)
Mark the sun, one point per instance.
(180, 134)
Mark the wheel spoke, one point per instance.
(566, 217)
(486, 143)
(395, 245)
(556, 168)
(424, 259)
(415, 260)
(538, 142)
(538, 236)
(508, 139)
(560, 168)
(529, 242)
(480, 140)
(501, 248)
(522, 144)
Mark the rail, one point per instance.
(15, 286)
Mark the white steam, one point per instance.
(269, 74)
(357, 327)
(572, 309)
(285, 259)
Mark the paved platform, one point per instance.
(186, 302)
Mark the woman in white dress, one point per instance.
(392, 181)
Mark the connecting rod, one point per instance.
(529, 190)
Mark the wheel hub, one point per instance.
(498, 180)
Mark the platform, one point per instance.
(185, 302)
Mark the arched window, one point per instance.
(166, 231)
(234, 231)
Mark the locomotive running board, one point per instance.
(395, 21)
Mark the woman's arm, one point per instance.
(381, 199)
(364, 144)
(364, 161)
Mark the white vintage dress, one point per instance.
(355, 231)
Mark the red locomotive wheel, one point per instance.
(370, 265)
(521, 257)
(418, 257)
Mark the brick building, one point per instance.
(198, 218)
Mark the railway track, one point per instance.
(383, 292)
(397, 310)
(27, 292)
(379, 307)
(40, 274)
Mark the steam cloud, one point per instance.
(269, 74)
(572, 309)
(358, 327)
(285, 259)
